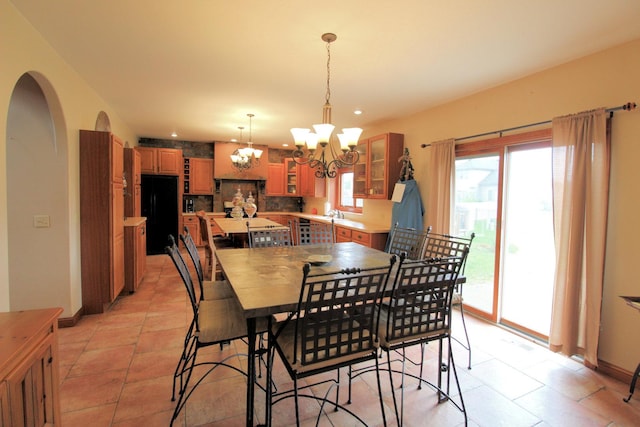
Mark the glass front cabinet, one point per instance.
(378, 168)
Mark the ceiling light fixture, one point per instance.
(247, 157)
(307, 151)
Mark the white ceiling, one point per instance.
(197, 67)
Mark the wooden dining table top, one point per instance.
(268, 280)
(239, 226)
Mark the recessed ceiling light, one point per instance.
(357, 112)
(234, 140)
(285, 145)
(173, 134)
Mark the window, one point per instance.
(345, 200)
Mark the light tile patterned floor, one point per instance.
(116, 370)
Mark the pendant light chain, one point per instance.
(328, 94)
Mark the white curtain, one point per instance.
(581, 158)
(441, 168)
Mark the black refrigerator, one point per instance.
(160, 206)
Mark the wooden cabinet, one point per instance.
(198, 176)
(310, 185)
(133, 192)
(29, 378)
(378, 168)
(372, 240)
(275, 179)
(160, 161)
(135, 241)
(193, 224)
(5, 414)
(101, 219)
(291, 181)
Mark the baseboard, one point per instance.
(68, 322)
(615, 371)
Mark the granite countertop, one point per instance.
(134, 221)
(348, 223)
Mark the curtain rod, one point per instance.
(628, 106)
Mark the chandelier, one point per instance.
(326, 159)
(247, 157)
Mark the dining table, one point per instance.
(267, 281)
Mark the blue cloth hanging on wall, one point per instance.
(409, 212)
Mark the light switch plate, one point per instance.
(41, 221)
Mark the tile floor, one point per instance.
(116, 370)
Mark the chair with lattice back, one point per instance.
(331, 327)
(268, 236)
(418, 311)
(445, 245)
(408, 240)
(215, 322)
(209, 289)
(313, 232)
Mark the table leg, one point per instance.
(267, 405)
(632, 387)
(251, 368)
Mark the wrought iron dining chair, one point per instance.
(209, 289)
(445, 245)
(418, 311)
(210, 264)
(312, 233)
(408, 240)
(268, 236)
(215, 322)
(332, 327)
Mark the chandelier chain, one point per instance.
(328, 94)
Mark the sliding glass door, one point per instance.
(503, 195)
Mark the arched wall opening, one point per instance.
(39, 238)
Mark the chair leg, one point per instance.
(423, 346)
(384, 417)
(466, 335)
(295, 397)
(350, 374)
(452, 365)
(393, 390)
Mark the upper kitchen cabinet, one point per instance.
(101, 219)
(160, 161)
(310, 185)
(291, 181)
(198, 176)
(275, 179)
(132, 206)
(378, 167)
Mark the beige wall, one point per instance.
(74, 106)
(607, 79)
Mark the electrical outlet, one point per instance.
(41, 221)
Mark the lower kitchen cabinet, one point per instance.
(372, 240)
(29, 368)
(135, 252)
(193, 224)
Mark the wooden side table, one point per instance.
(633, 302)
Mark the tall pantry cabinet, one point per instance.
(101, 219)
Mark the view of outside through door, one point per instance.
(527, 256)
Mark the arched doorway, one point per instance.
(41, 271)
